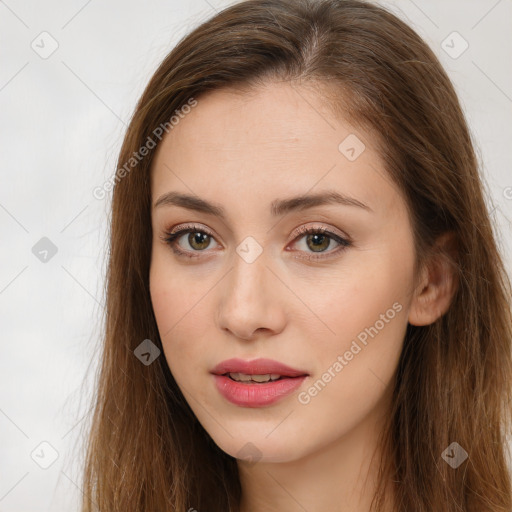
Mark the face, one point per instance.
(249, 282)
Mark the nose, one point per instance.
(251, 300)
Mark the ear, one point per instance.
(438, 283)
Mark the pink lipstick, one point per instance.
(256, 383)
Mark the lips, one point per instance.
(257, 367)
(256, 394)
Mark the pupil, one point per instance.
(318, 239)
(198, 239)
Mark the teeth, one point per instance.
(244, 377)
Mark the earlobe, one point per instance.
(437, 287)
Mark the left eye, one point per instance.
(317, 240)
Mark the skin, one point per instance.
(243, 151)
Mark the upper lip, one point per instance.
(259, 366)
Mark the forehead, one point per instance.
(279, 140)
(272, 118)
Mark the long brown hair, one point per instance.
(146, 451)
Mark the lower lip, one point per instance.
(254, 394)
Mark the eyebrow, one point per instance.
(278, 207)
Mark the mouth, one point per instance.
(256, 379)
(257, 370)
(256, 383)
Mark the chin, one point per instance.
(253, 449)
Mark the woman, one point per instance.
(306, 307)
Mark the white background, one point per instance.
(61, 125)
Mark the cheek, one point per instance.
(353, 368)
(366, 315)
(354, 295)
(179, 307)
(171, 295)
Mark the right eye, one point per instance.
(198, 240)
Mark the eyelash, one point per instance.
(171, 239)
